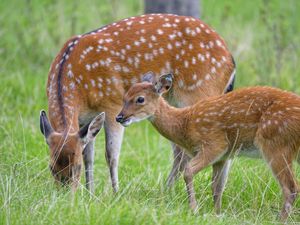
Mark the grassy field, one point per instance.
(264, 36)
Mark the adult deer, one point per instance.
(213, 130)
(93, 71)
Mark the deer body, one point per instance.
(93, 71)
(214, 130)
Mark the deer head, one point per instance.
(66, 149)
(140, 102)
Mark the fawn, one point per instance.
(213, 130)
(92, 72)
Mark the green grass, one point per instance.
(264, 37)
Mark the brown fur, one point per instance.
(213, 130)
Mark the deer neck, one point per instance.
(170, 122)
(64, 119)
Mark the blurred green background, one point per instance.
(264, 37)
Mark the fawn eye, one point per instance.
(140, 100)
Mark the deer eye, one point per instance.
(140, 100)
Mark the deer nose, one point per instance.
(119, 118)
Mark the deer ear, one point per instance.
(45, 126)
(164, 83)
(148, 77)
(88, 132)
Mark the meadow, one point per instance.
(264, 37)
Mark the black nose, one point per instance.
(119, 118)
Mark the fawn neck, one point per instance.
(170, 122)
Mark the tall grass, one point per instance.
(264, 37)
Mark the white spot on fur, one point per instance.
(93, 83)
(130, 60)
(88, 67)
(193, 60)
(117, 67)
(187, 30)
(166, 25)
(186, 64)
(207, 31)
(219, 43)
(160, 32)
(161, 50)
(213, 69)
(125, 69)
(213, 60)
(207, 55)
(70, 74)
(142, 39)
(72, 85)
(177, 44)
(172, 36)
(137, 43)
(153, 38)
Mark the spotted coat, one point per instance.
(92, 71)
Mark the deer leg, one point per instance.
(88, 158)
(219, 178)
(203, 159)
(179, 163)
(113, 140)
(281, 164)
(75, 177)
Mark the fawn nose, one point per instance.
(119, 118)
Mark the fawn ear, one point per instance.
(45, 126)
(148, 77)
(88, 132)
(164, 83)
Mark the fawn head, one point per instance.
(140, 102)
(66, 149)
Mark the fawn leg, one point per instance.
(280, 162)
(219, 178)
(179, 163)
(204, 158)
